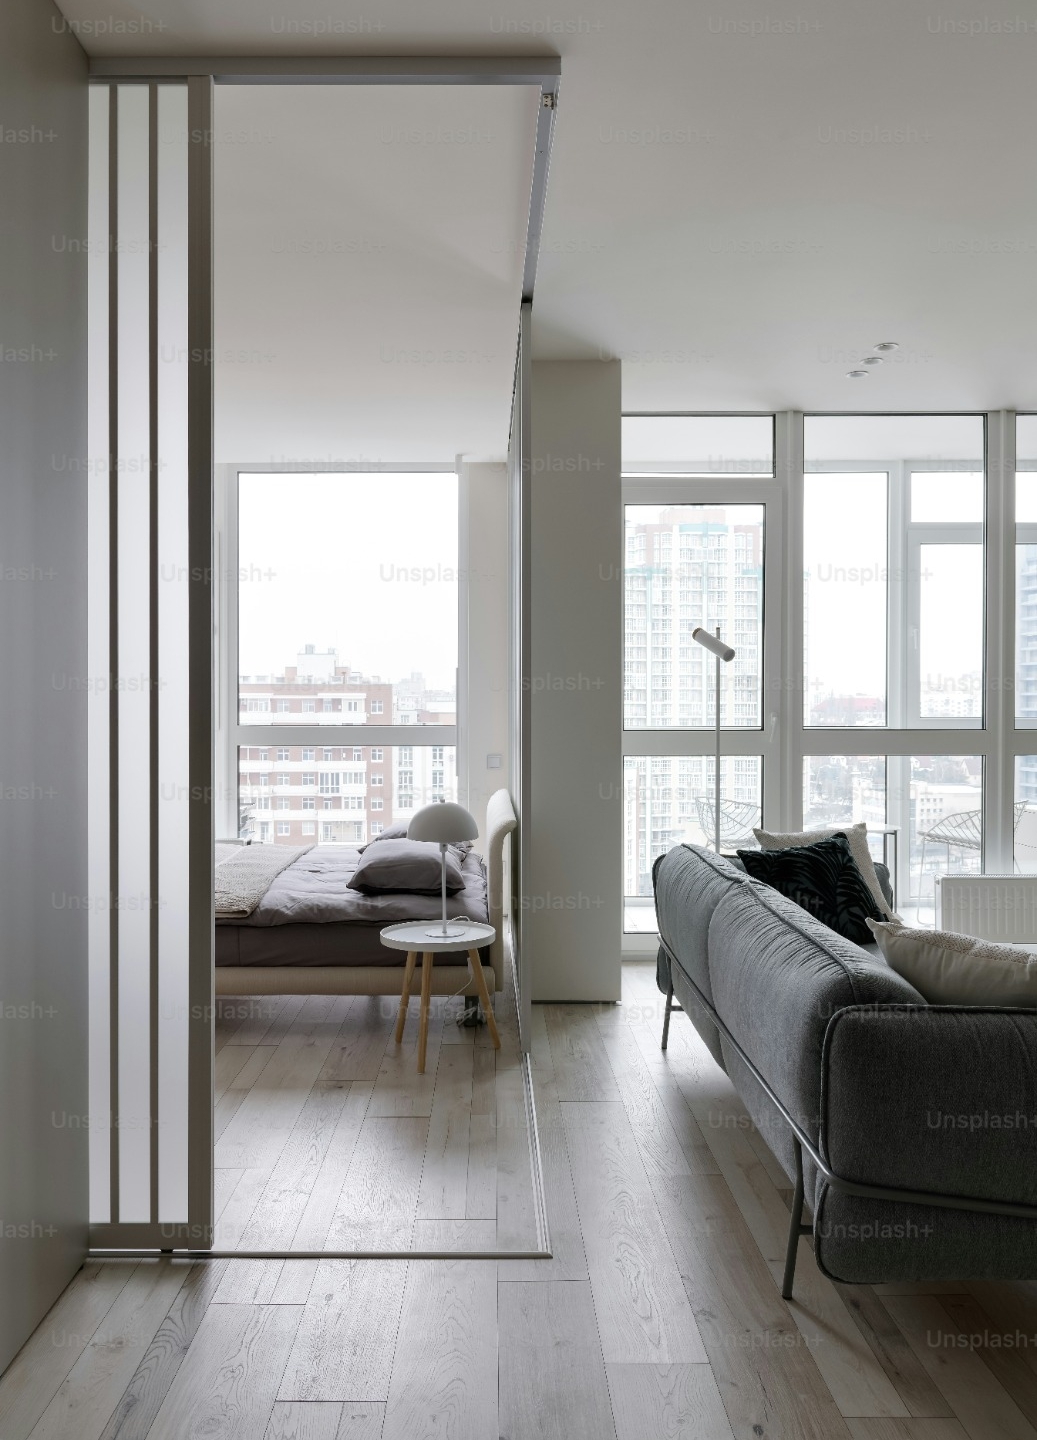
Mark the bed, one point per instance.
(309, 934)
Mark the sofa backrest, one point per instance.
(689, 884)
(777, 976)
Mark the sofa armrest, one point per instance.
(935, 1098)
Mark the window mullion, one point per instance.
(999, 648)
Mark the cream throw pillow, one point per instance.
(956, 969)
(857, 835)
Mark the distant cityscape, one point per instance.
(689, 565)
(334, 793)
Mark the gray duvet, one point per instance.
(309, 916)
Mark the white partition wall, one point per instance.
(43, 658)
(572, 684)
(150, 623)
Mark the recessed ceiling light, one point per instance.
(872, 360)
(856, 374)
(886, 345)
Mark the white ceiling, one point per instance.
(743, 198)
(368, 249)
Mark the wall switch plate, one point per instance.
(493, 762)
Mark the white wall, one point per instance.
(484, 656)
(573, 892)
(43, 900)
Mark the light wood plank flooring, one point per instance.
(659, 1314)
(328, 1138)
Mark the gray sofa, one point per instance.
(909, 1129)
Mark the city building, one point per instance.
(334, 793)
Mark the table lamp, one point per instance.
(444, 823)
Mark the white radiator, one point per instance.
(990, 907)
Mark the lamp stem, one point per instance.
(716, 767)
(442, 862)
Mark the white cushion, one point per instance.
(857, 835)
(953, 969)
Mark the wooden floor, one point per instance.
(659, 1314)
(328, 1138)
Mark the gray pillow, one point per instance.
(399, 832)
(412, 866)
(394, 832)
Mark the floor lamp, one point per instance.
(715, 646)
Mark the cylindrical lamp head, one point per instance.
(713, 643)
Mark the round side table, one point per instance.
(418, 937)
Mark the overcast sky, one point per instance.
(364, 564)
(845, 555)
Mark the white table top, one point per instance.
(414, 935)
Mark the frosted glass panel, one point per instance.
(139, 599)
(134, 678)
(174, 787)
(98, 871)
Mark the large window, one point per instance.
(347, 598)
(689, 565)
(347, 617)
(845, 598)
(879, 689)
(893, 579)
(699, 503)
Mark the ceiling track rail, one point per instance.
(543, 71)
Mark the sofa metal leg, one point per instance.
(796, 1227)
(666, 1018)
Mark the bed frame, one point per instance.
(447, 979)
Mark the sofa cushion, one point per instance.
(777, 977)
(824, 879)
(942, 1099)
(956, 969)
(689, 883)
(857, 835)
(885, 885)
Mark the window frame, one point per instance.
(231, 734)
(997, 741)
(744, 740)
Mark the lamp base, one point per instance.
(452, 932)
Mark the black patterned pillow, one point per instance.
(824, 878)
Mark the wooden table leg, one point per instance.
(484, 996)
(408, 980)
(426, 997)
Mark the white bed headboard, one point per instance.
(500, 822)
